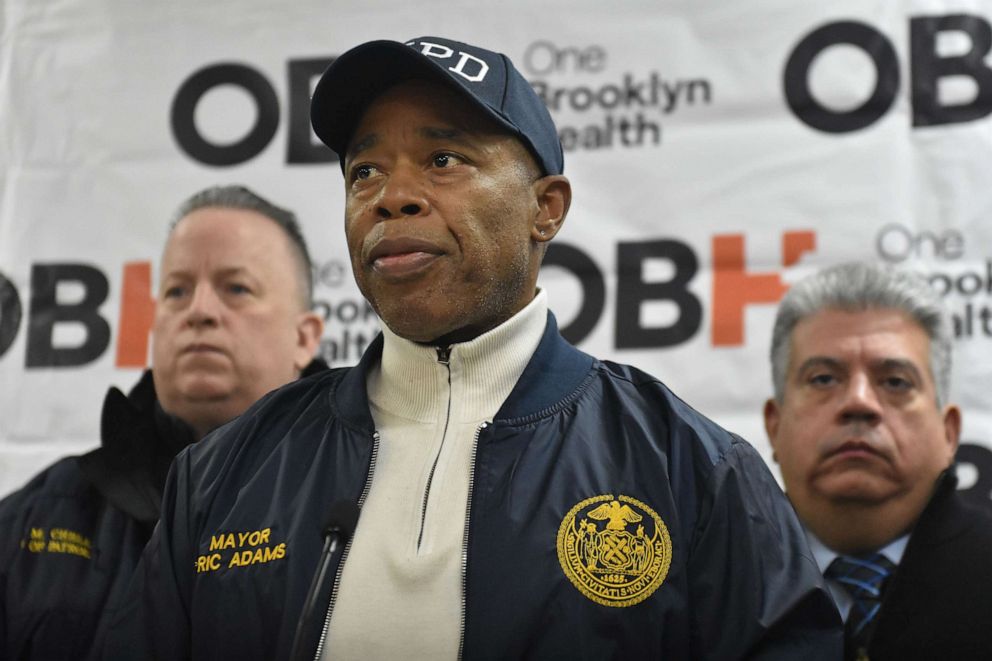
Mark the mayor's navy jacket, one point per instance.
(606, 519)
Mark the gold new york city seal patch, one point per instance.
(614, 549)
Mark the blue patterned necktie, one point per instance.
(864, 579)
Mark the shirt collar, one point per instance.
(824, 555)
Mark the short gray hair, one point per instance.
(241, 197)
(855, 287)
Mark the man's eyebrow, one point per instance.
(437, 133)
(233, 270)
(820, 361)
(224, 272)
(900, 364)
(883, 364)
(365, 143)
(453, 134)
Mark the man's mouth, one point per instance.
(201, 348)
(403, 256)
(854, 450)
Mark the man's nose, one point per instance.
(204, 307)
(403, 194)
(860, 401)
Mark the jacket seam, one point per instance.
(554, 409)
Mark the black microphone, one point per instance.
(337, 529)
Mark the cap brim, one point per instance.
(360, 75)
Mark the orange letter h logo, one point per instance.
(734, 288)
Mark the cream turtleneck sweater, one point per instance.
(400, 594)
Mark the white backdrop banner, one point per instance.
(717, 150)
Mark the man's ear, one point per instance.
(309, 329)
(554, 195)
(952, 427)
(771, 424)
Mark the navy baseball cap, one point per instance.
(487, 79)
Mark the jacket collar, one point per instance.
(554, 371)
(138, 442)
(946, 515)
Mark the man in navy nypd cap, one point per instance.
(514, 497)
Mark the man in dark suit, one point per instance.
(865, 438)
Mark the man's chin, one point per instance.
(205, 388)
(209, 408)
(855, 485)
(414, 325)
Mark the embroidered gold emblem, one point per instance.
(614, 549)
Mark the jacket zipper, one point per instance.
(468, 515)
(443, 354)
(347, 547)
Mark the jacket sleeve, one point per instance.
(153, 620)
(755, 589)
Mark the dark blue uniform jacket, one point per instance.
(71, 538)
(606, 520)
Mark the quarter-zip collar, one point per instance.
(554, 372)
(486, 369)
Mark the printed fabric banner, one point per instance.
(717, 150)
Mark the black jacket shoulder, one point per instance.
(934, 605)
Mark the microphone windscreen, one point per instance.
(342, 517)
